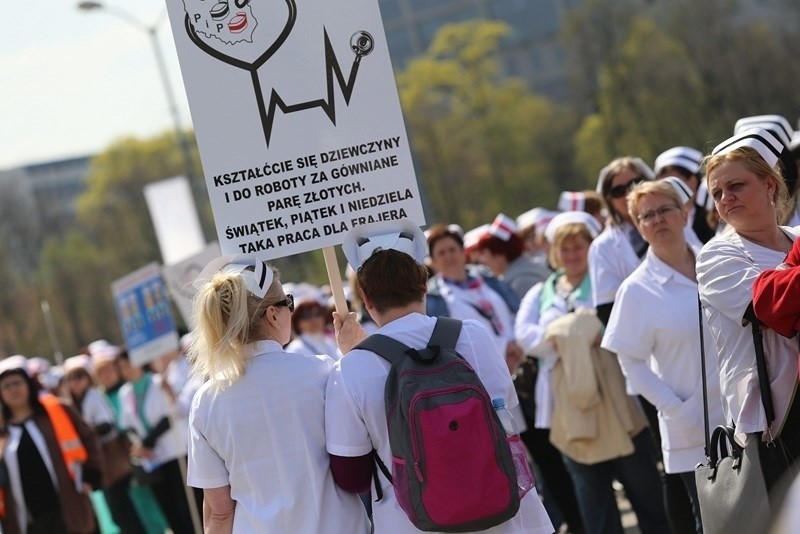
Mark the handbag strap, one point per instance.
(703, 374)
(761, 367)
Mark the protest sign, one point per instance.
(174, 219)
(298, 120)
(145, 315)
(179, 278)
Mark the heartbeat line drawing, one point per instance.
(221, 30)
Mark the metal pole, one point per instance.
(173, 108)
(51, 332)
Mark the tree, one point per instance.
(484, 144)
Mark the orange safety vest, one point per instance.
(72, 449)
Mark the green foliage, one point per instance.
(483, 143)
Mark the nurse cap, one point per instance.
(257, 281)
(765, 143)
(571, 217)
(680, 156)
(81, 361)
(572, 201)
(645, 169)
(361, 242)
(503, 227)
(12, 363)
(680, 187)
(474, 236)
(775, 124)
(537, 217)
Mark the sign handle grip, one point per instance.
(335, 279)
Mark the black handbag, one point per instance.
(730, 486)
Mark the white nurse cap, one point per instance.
(256, 280)
(364, 240)
(762, 141)
(571, 217)
(680, 156)
(680, 187)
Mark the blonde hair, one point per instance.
(753, 162)
(657, 187)
(228, 318)
(565, 232)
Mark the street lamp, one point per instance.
(162, 70)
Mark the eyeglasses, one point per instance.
(650, 216)
(619, 191)
(288, 302)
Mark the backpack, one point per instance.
(452, 467)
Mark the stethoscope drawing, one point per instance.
(361, 43)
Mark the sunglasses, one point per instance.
(288, 302)
(619, 191)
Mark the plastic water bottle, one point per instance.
(519, 455)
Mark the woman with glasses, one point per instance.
(257, 426)
(654, 330)
(309, 326)
(620, 248)
(49, 462)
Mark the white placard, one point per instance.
(175, 219)
(297, 118)
(180, 276)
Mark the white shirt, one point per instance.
(355, 413)
(726, 269)
(611, 260)
(157, 405)
(462, 304)
(312, 345)
(96, 408)
(530, 328)
(655, 330)
(264, 435)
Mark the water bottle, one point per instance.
(519, 454)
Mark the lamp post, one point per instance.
(151, 31)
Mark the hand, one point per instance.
(514, 356)
(349, 332)
(140, 451)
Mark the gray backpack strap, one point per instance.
(445, 333)
(387, 348)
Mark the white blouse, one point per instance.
(726, 270)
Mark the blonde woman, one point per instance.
(751, 197)
(655, 333)
(257, 426)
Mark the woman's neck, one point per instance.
(677, 255)
(575, 279)
(771, 238)
(18, 415)
(456, 276)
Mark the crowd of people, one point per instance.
(589, 323)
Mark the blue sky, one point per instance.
(71, 81)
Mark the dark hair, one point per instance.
(392, 279)
(33, 394)
(440, 231)
(593, 202)
(511, 249)
(301, 309)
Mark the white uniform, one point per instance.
(157, 405)
(726, 269)
(654, 329)
(312, 345)
(264, 435)
(96, 409)
(611, 260)
(355, 414)
(464, 303)
(530, 328)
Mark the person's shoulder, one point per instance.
(725, 243)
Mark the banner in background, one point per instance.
(145, 316)
(175, 219)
